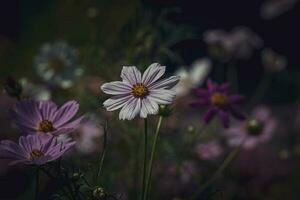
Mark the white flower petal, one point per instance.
(162, 96)
(199, 71)
(131, 109)
(131, 75)
(167, 83)
(182, 72)
(116, 102)
(116, 88)
(153, 73)
(148, 107)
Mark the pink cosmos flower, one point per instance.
(258, 128)
(46, 117)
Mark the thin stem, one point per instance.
(260, 90)
(232, 77)
(152, 157)
(220, 170)
(101, 159)
(145, 158)
(48, 173)
(69, 186)
(53, 177)
(37, 184)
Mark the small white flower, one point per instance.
(139, 94)
(193, 77)
(58, 64)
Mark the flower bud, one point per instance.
(12, 87)
(99, 193)
(164, 111)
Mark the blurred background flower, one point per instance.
(272, 61)
(88, 135)
(193, 76)
(209, 150)
(240, 42)
(258, 128)
(273, 8)
(57, 63)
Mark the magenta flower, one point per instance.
(218, 100)
(35, 149)
(258, 128)
(45, 117)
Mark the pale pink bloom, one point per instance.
(209, 151)
(259, 128)
(88, 135)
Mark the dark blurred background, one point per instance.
(111, 33)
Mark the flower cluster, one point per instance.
(34, 149)
(40, 123)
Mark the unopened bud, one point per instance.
(164, 111)
(12, 87)
(99, 193)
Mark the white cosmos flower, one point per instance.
(58, 64)
(139, 94)
(193, 77)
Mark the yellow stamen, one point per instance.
(35, 154)
(46, 126)
(219, 99)
(139, 90)
(57, 64)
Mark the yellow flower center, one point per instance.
(219, 99)
(46, 126)
(57, 64)
(139, 90)
(35, 154)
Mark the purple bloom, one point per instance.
(34, 149)
(209, 151)
(258, 128)
(218, 100)
(45, 117)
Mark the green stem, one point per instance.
(53, 177)
(152, 158)
(220, 170)
(260, 91)
(232, 77)
(37, 184)
(101, 159)
(145, 158)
